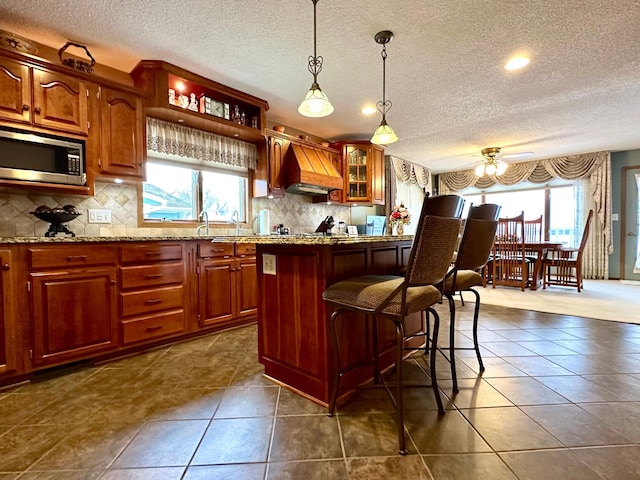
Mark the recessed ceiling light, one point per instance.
(368, 110)
(517, 63)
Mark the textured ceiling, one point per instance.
(451, 96)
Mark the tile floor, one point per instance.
(560, 399)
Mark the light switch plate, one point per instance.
(268, 264)
(99, 216)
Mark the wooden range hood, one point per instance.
(309, 171)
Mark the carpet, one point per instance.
(600, 299)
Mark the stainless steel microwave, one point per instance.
(38, 157)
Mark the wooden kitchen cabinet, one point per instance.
(158, 78)
(122, 134)
(268, 178)
(8, 321)
(34, 96)
(73, 303)
(363, 172)
(227, 284)
(151, 277)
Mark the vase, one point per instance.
(400, 229)
(394, 229)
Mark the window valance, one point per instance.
(408, 172)
(538, 171)
(169, 138)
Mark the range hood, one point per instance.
(309, 171)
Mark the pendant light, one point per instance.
(316, 103)
(384, 134)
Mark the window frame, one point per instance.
(154, 157)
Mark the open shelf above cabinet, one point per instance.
(179, 96)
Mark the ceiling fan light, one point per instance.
(384, 134)
(315, 104)
(502, 167)
(491, 169)
(479, 170)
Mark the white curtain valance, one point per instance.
(172, 139)
(407, 172)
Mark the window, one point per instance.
(177, 191)
(557, 202)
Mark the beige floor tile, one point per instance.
(560, 464)
(469, 466)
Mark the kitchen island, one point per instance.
(294, 344)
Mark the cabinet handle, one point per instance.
(154, 329)
(37, 110)
(217, 250)
(152, 254)
(153, 275)
(76, 258)
(25, 108)
(6, 266)
(153, 301)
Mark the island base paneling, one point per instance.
(294, 343)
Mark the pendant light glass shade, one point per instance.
(384, 134)
(316, 103)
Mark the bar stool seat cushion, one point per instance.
(368, 292)
(465, 279)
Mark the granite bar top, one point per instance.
(261, 239)
(312, 239)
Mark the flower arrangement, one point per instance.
(399, 217)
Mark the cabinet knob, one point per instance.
(37, 110)
(6, 266)
(25, 108)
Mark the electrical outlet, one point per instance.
(268, 264)
(99, 216)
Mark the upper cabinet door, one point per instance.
(122, 146)
(15, 91)
(60, 102)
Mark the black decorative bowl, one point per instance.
(57, 221)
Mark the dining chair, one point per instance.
(564, 266)
(473, 253)
(510, 265)
(394, 297)
(532, 234)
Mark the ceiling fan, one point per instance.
(492, 164)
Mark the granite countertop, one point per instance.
(262, 239)
(311, 239)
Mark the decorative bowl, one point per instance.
(56, 218)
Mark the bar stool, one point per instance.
(473, 253)
(392, 298)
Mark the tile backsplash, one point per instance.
(297, 212)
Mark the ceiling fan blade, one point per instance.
(516, 155)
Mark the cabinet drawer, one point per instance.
(210, 250)
(147, 301)
(146, 276)
(76, 256)
(154, 326)
(150, 252)
(245, 249)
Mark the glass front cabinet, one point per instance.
(363, 172)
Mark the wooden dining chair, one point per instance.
(510, 265)
(532, 234)
(473, 253)
(564, 266)
(394, 297)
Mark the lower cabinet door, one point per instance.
(8, 322)
(216, 291)
(74, 314)
(247, 287)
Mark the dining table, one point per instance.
(541, 249)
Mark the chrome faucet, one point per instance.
(235, 218)
(205, 215)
